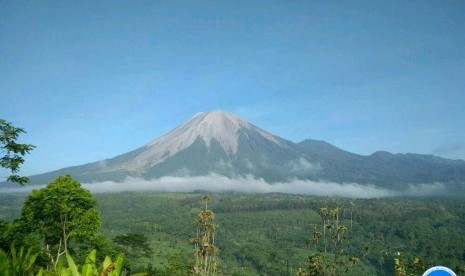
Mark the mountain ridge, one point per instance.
(222, 143)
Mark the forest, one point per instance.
(253, 234)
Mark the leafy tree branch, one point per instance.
(12, 152)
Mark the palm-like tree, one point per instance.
(205, 250)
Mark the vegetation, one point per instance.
(205, 249)
(90, 267)
(12, 153)
(60, 213)
(21, 263)
(55, 221)
(403, 269)
(17, 262)
(261, 234)
(330, 239)
(266, 234)
(134, 243)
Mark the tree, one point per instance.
(330, 240)
(61, 212)
(13, 152)
(134, 246)
(403, 268)
(205, 250)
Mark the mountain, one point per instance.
(222, 143)
(385, 169)
(210, 142)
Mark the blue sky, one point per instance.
(89, 80)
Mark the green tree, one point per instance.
(330, 240)
(403, 268)
(12, 152)
(205, 250)
(61, 212)
(134, 244)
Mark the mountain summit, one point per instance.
(210, 142)
(222, 128)
(222, 143)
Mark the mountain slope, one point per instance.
(383, 168)
(222, 143)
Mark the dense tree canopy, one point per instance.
(11, 151)
(60, 212)
(134, 243)
(265, 234)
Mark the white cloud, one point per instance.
(249, 184)
(425, 189)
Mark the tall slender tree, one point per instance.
(330, 240)
(205, 250)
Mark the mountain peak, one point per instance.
(221, 119)
(221, 126)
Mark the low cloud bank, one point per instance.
(249, 184)
(20, 189)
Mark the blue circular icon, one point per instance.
(439, 271)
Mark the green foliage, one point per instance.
(177, 266)
(330, 240)
(262, 234)
(205, 250)
(22, 263)
(61, 212)
(17, 263)
(91, 267)
(13, 152)
(135, 246)
(4, 239)
(403, 268)
(5, 264)
(98, 241)
(134, 243)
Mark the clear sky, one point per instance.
(89, 80)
